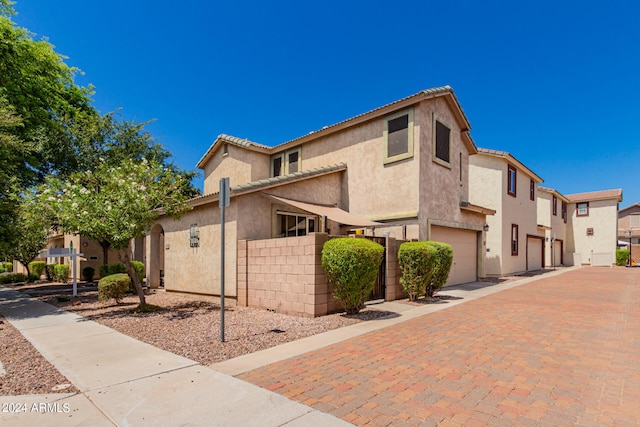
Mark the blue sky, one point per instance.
(555, 83)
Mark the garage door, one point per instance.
(534, 254)
(465, 253)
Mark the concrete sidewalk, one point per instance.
(127, 382)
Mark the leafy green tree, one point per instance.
(116, 204)
(26, 246)
(39, 86)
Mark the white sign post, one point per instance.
(67, 253)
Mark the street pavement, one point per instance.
(562, 350)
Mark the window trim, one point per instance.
(554, 206)
(308, 217)
(511, 169)
(564, 211)
(514, 242)
(284, 159)
(385, 136)
(578, 209)
(434, 156)
(532, 190)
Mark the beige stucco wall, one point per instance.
(602, 218)
(558, 230)
(239, 165)
(197, 270)
(488, 188)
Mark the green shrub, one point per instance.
(417, 262)
(2, 269)
(351, 266)
(622, 256)
(109, 269)
(32, 278)
(87, 274)
(37, 268)
(6, 278)
(114, 287)
(8, 267)
(48, 270)
(61, 273)
(442, 267)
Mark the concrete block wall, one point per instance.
(393, 290)
(285, 275)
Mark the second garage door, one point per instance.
(465, 253)
(534, 254)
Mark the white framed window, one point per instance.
(290, 224)
(398, 136)
(286, 162)
(582, 209)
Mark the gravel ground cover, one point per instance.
(186, 325)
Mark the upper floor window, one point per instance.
(511, 181)
(555, 205)
(634, 220)
(564, 212)
(442, 147)
(514, 239)
(582, 209)
(285, 162)
(398, 136)
(532, 190)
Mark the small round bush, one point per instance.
(61, 273)
(113, 287)
(8, 267)
(37, 268)
(87, 274)
(351, 266)
(2, 269)
(417, 261)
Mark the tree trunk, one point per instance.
(123, 254)
(105, 251)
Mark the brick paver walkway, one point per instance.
(559, 351)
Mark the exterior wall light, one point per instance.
(486, 227)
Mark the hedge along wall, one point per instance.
(286, 275)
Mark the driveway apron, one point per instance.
(562, 350)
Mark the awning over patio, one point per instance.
(334, 213)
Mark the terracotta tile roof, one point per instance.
(596, 195)
(270, 182)
(228, 139)
(508, 156)
(553, 191)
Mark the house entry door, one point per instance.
(380, 286)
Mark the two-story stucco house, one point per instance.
(553, 217)
(399, 171)
(515, 239)
(593, 235)
(629, 230)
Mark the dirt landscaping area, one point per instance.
(188, 326)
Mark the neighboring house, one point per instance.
(553, 217)
(400, 172)
(629, 229)
(515, 240)
(537, 227)
(593, 234)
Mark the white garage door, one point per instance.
(534, 254)
(465, 253)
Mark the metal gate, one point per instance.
(379, 288)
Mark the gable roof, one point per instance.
(593, 196)
(626, 208)
(443, 91)
(233, 140)
(554, 192)
(269, 183)
(510, 158)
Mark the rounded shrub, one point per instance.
(351, 266)
(37, 268)
(87, 274)
(61, 273)
(113, 287)
(417, 263)
(442, 267)
(2, 269)
(8, 267)
(622, 256)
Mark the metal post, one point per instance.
(73, 266)
(223, 203)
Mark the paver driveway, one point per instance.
(563, 350)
